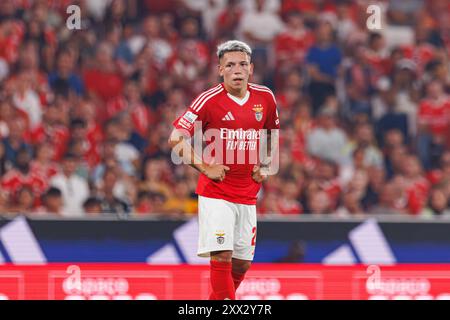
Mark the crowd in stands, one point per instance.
(85, 114)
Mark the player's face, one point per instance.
(235, 68)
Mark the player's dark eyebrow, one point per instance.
(233, 63)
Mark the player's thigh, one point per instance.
(245, 233)
(216, 226)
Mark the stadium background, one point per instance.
(86, 175)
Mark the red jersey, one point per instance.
(239, 125)
(286, 206)
(58, 135)
(140, 114)
(435, 115)
(107, 85)
(417, 193)
(293, 47)
(13, 180)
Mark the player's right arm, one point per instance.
(214, 172)
(184, 128)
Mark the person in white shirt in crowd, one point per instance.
(327, 141)
(259, 28)
(74, 189)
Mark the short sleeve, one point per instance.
(192, 116)
(272, 120)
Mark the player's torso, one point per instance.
(238, 125)
(224, 112)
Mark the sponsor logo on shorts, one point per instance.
(220, 237)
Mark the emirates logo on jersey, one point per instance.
(258, 108)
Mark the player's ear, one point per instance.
(250, 72)
(220, 69)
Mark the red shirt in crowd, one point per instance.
(141, 116)
(293, 47)
(14, 180)
(106, 85)
(436, 115)
(286, 206)
(417, 194)
(59, 137)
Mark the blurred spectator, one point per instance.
(259, 27)
(377, 181)
(152, 40)
(64, 81)
(292, 44)
(268, 204)
(43, 163)
(359, 86)
(319, 203)
(154, 177)
(116, 13)
(102, 80)
(210, 12)
(357, 163)
(92, 207)
(181, 201)
(325, 178)
(112, 204)
(323, 60)
(228, 20)
(81, 146)
(346, 20)
(364, 137)
(37, 79)
(4, 165)
(442, 173)
(327, 141)
(437, 204)
(416, 185)
(53, 129)
(392, 120)
(74, 189)
(376, 55)
(351, 205)
(23, 202)
(289, 202)
(436, 69)
(433, 124)
(391, 200)
(394, 160)
(52, 202)
(108, 160)
(131, 104)
(189, 64)
(143, 203)
(405, 91)
(22, 175)
(27, 100)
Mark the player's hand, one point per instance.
(257, 175)
(216, 172)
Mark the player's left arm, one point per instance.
(269, 144)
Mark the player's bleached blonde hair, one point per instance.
(232, 46)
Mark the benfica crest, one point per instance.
(220, 237)
(258, 108)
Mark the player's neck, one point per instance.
(238, 93)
